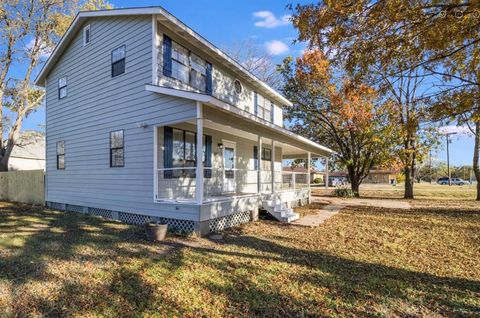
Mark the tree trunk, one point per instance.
(4, 163)
(476, 154)
(408, 184)
(409, 166)
(354, 181)
(355, 186)
(409, 176)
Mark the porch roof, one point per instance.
(221, 112)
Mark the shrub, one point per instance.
(317, 180)
(343, 192)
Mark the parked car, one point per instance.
(455, 181)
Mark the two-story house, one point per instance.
(146, 119)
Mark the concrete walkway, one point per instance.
(337, 204)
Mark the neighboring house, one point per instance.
(388, 176)
(28, 156)
(385, 176)
(147, 120)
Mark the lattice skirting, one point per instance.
(174, 225)
(74, 208)
(101, 212)
(224, 222)
(56, 206)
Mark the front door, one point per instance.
(229, 173)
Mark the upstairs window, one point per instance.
(267, 112)
(86, 35)
(272, 112)
(198, 72)
(62, 87)
(263, 107)
(116, 149)
(118, 61)
(61, 155)
(186, 67)
(238, 87)
(180, 64)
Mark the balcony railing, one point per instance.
(179, 184)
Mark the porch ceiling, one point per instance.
(292, 147)
(288, 151)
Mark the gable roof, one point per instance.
(166, 17)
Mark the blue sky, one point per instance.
(226, 23)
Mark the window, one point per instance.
(181, 151)
(238, 86)
(263, 107)
(180, 64)
(186, 67)
(267, 112)
(260, 106)
(266, 154)
(198, 72)
(116, 149)
(62, 87)
(61, 155)
(118, 61)
(86, 35)
(272, 112)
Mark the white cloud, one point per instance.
(45, 51)
(460, 130)
(276, 47)
(269, 20)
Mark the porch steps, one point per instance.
(280, 210)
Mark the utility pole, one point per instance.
(430, 159)
(448, 157)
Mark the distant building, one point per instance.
(385, 176)
(30, 156)
(388, 176)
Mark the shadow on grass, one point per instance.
(348, 287)
(349, 283)
(59, 239)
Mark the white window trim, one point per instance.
(62, 87)
(85, 28)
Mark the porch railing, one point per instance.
(179, 184)
(294, 180)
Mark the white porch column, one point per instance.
(309, 159)
(326, 173)
(259, 164)
(272, 165)
(199, 156)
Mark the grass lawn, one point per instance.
(371, 262)
(421, 191)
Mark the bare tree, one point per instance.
(28, 32)
(255, 60)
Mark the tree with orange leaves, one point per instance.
(344, 114)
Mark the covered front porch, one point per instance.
(219, 156)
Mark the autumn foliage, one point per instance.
(338, 111)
